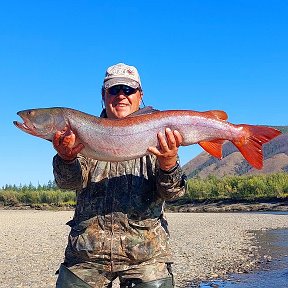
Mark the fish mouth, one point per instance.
(22, 126)
(27, 126)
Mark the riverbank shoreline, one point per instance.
(205, 245)
(214, 206)
(228, 205)
(273, 263)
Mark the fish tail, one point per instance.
(250, 145)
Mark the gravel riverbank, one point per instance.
(205, 245)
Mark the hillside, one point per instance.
(233, 163)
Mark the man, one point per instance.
(119, 229)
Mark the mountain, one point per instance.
(233, 163)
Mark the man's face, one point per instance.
(121, 100)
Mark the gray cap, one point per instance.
(122, 74)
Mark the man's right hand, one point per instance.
(64, 142)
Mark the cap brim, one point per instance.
(121, 81)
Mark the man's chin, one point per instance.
(121, 112)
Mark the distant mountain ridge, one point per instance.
(233, 163)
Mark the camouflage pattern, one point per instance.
(119, 220)
(154, 275)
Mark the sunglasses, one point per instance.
(127, 90)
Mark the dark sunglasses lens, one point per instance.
(114, 90)
(128, 90)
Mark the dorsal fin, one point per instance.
(145, 110)
(218, 114)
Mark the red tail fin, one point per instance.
(251, 146)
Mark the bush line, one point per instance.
(236, 188)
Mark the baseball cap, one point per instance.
(122, 74)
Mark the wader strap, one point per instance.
(67, 279)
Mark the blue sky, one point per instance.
(198, 55)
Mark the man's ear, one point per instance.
(103, 93)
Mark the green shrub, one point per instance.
(33, 197)
(239, 187)
(9, 198)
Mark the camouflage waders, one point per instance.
(119, 228)
(153, 276)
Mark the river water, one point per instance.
(272, 273)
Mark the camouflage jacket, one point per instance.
(118, 221)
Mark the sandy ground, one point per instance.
(205, 245)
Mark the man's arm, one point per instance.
(171, 182)
(167, 151)
(68, 167)
(71, 175)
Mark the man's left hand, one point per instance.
(168, 148)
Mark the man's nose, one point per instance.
(121, 94)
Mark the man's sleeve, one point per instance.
(70, 175)
(171, 184)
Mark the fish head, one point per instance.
(42, 122)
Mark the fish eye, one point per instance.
(31, 112)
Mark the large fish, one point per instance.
(128, 138)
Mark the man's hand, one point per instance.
(64, 142)
(168, 149)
